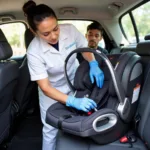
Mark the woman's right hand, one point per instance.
(84, 104)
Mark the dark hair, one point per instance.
(37, 13)
(27, 6)
(95, 25)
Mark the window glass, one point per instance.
(128, 28)
(81, 25)
(14, 33)
(142, 19)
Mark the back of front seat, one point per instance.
(9, 72)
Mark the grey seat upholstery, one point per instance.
(127, 49)
(9, 72)
(65, 141)
(143, 49)
(122, 50)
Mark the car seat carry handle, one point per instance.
(124, 104)
(117, 85)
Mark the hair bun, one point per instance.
(28, 6)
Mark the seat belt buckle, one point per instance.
(128, 139)
(124, 139)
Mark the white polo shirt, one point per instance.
(44, 61)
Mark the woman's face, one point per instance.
(48, 30)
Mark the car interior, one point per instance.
(126, 37)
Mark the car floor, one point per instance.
(28, 134)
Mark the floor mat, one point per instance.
(28, 135)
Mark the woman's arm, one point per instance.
(51, 92)
(84, 104)
(95, 72)
(88, 56)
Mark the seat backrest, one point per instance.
(9, 72)
(115, 50)
(28, 37)
(122, 50)
(127, 49)
(27, 90)
(144, 111)
(143, 49)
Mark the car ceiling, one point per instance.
(85, 8)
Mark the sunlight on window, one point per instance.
(81, 25)
(14, 33)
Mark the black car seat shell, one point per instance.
(107, 124)
(142, 131)
(65, 140)
(9, 73)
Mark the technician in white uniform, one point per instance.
(46, 55)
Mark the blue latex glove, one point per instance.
(96, 72)
(84, 104)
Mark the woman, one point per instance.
(46, 55)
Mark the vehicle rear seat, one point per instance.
(27, 90)
(64, 141)
(127, 49)
(9, 73)
(123, 49)
(28, 37)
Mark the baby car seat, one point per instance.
(117, 100)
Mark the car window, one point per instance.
(81, 25)
(128, 28)
(14, 33)
(139, 17)
(142, 19)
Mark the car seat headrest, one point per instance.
(120, 67)
(143, 48)
(5, 48)
(147, 37)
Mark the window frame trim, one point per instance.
(132, 20)
(16, 21)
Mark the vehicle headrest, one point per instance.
(5, 48)
(147, 37)
(143, 48)
(28, 36)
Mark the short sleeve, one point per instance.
(79, 38)
(36, 67)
